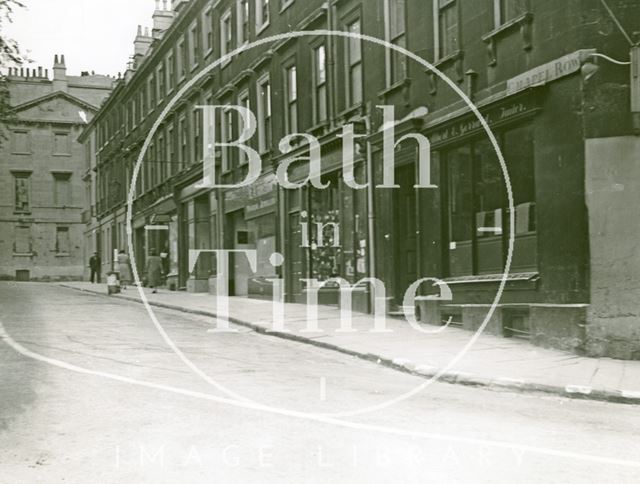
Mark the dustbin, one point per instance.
(113, 282)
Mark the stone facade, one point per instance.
(42, 195)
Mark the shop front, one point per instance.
(325, 232)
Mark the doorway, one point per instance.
(404, 230)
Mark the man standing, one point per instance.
(95, 264)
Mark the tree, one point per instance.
(9, 56)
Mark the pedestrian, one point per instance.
(124, 269)
(95, 264)
(154, 270)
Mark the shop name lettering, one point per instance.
(313, 154)
(313, 159)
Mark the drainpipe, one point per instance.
(371, 216)
(332, 56)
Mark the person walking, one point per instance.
(124, 268)
(154, 270)
(95, 264)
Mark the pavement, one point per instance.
(444, 353)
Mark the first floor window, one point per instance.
(396, 35)
(292, 99)
(184, 143)
(197, 134)
(354, 64)
(62, 189)
(509, 9)
(264, 114)
(227, 136)
(262, 13)
(243, 100)
(243, 21)
(477, 209)
(22, 239)
(22, 192)
(320, 83)
(448, 28)
(226, 34)
(62, 240)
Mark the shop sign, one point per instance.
(498, 115)
(549, 72)
(261, 206)
(243, 197)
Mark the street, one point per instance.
(91, 392)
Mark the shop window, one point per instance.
(325, 209)
(478, 209)
(22, 192)
(291, 99)
(395, 33)
(320, 83)
(243, 21)
(353, 58)
(62, 189)
(62, 240)
(448, 27)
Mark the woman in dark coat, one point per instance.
(154, 270)
(124, 269)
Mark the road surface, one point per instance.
(90, 391)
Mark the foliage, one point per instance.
(9, 56)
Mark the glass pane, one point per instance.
(356, 84)
(396, 17)
(459, 172)
(321, 70)
(355, 47)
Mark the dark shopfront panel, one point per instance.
(340, 250)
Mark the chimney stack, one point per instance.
(162, 19)
(142, 43)
(60, 74)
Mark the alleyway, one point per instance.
(91, 392)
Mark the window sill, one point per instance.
(397, 86)
(63, 254)
(261, 28)
(61, 154)
(22, 153)
(350, 111)
(286, 6)
(523, 22)
(17, 254)
(448, 59)
(194, 67)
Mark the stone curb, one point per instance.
(404, 365)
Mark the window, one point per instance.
(194, 45)
(243, 21)
(320, 83)
(207, 29)
(61, 144)
(284, 4)
(182, 58)
(396, 63)
(171, 71)
(197, 133)
(22, 240)
(142, 102)
(152, 93)
(62, 189)
(262, 14)
(226, 134)
(62, 240)
(21, 143)
(448, 29)
(478, 209)
(264, 114)
(243, 100)
(171, 151)
(160, 82)
(226, 34)
(354, 65)
(506, 10)
(291, 79)
(22, 192)
(184, 142)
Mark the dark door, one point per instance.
(404, 233)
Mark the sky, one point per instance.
(94, 35)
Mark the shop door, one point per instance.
(243, 240)
(405, 240)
